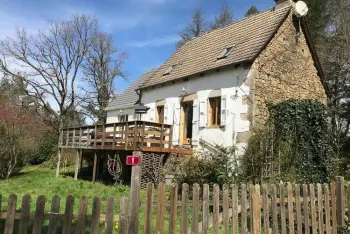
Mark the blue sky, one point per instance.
(145, 29)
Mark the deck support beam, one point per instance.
(58, 162)
(77, 164)
(94, 168)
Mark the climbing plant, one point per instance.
(295, 144)
(304, 125)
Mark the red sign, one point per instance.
(133, 160)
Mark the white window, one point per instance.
(224, 53)
(123, 118)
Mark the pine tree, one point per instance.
(225, 17)
(252, 11)
(196, 27)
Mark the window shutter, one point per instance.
(203, 113)
(176, 125)
(145, 117)
(166, 119)
(223, 111)
(152, 113)
(195, 123)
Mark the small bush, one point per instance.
(68, 159)
(218, 166)
(47, 147)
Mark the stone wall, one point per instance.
(284, 70)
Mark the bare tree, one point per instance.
(196, 27)
(225, 17)
(49, 63)
(102, 65)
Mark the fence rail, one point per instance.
(282, 208)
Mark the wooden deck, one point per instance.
(128, 136)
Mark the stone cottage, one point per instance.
(214, 89)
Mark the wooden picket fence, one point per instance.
(55, 219)
(253, 209)
(243, 209)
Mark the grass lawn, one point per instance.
(35, 181)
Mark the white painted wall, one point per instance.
(230, 81)
(113, 116)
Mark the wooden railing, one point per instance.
(135, 135)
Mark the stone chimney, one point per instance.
(283, 3)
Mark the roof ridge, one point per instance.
(235, 22)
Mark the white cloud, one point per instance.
(160, 41)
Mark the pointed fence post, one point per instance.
(340, 201)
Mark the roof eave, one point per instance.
(198, 73)
(314, 54)
(273, 34)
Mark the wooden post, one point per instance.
(77, 163)
(256, 228)
(184, 211)
(126, 135)
(244, 228)
(143, 134)
(340, 201)
(334, 209)
(103, 136)
(162, 136)
(172, 209)
(80, 135)
(216, 208)
(94, 168)
(170, 136)
(148, 209)
(114, 130)
(123, 215)
(58, 162)
(135, 197)
(73, 139)
(160, 208)
(81, 161)
(95, 137)
(235, 209)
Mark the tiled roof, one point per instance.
(247, 37)
(129, 97)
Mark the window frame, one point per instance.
(160, 118)
(214, 104)
(123, 118)
(225, 53)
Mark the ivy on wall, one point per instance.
(303, 124)
(295, 145)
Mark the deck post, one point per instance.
(94, 168)
(77, 165)
(58, 162)
(135, 195)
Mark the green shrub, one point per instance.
(47, 147)
(217, 166)
(68, 159)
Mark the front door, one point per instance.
(186, 123)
